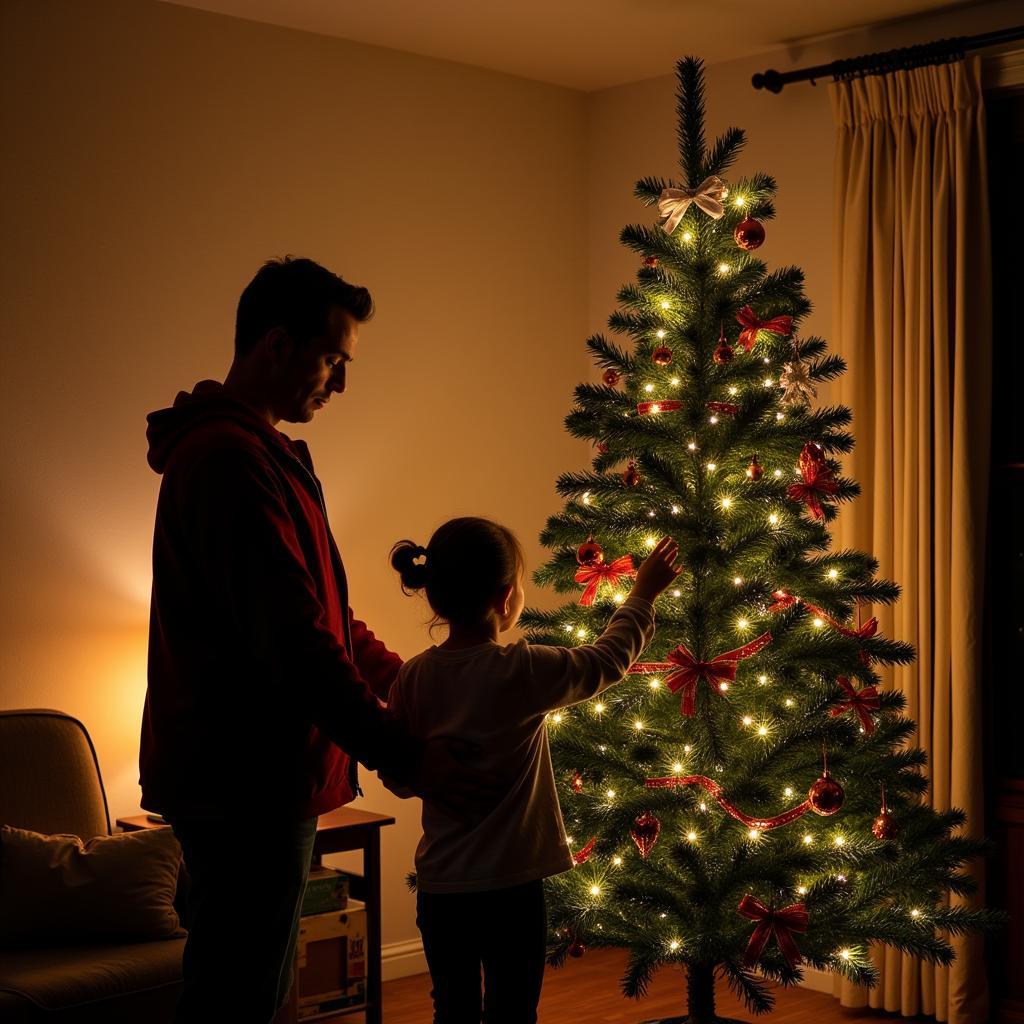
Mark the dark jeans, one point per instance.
(242, 917)
(505, 931)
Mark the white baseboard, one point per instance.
(817, 981)
(401, 959)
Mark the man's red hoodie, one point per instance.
(260, 677)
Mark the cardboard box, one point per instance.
(326, 891)
(331, 962)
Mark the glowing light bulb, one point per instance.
(691, 447)
(617, 861)
(661, 333)
(780, 416)
(677, 767)
(618, 599)
(675, 510)
(586, 497)
(595, 890)
(648, 388)
(638, 725)
(687, 236)
(738, 580)
(740, 201)
(915, 912)
(808, 839)
(581, 633)
(599, 708)
(762, 730)
(788, 791)
(723, 686)
(733, 390)
(774, 519)
(655, 409)
(556, 718)
(818, 623)
(790, 702)
(753, 834)
(845, 954)
(654, 684)
(703, 806)
(692, 836)
(568, 627)
(778, 474)
(677, 593)
(687, 748)
(712, 420)
(674, 382)
(610, 793)
(763, 680)
(742, 623)
(833, 574)
(723, 268)
(801, 890)
(665, 304)
(651, 542)
(747, 720)
(712, 466)
(727, 503)
(839, 840)
(674, 945)
(768, 382)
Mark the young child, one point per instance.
(480, 896)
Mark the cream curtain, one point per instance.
(912, 293)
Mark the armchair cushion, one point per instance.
(58, 891)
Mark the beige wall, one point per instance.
(154, 156)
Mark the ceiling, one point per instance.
(582, 44)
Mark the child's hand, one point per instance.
(657, 570)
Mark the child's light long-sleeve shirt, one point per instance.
(496, 697)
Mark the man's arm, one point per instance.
(377, 665)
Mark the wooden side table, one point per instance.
(339, 832)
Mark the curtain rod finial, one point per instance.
(770, 80)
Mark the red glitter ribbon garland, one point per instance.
(752, 323)
(672, 781)
(780, 923)
(784, 600)
(818, 480)
(687, 671)
(647, 408)
(862, 701)
(607, 572)
(727, 408)
(583, 853)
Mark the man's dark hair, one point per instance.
(298, 295)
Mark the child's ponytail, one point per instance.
(403, 560)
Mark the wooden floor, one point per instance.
(586, 991)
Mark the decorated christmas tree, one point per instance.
(749, 799)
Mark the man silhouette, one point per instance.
(263, 686)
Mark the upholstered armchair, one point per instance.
(50, 783)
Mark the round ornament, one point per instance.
(749, 233)
(661, 356)
(577, 782)
(589, 552)
(631, 475)
(576, 949)
(650, 262)
(611, 377)
(885, 826)
(724, 353)
(755, 470)
(825, 795)
(645, 833)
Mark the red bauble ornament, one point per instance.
(645, 833)
(661, 356)
(724, 353)
(631, 476)
(589, 552)
(650, 262)
(602, 448)
(749, 233)
(885, 826)
(825, 795)
(576, 949)
(577, 782)
(611, 377)
(755, 470)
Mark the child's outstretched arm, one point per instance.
(560, 676)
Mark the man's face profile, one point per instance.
(312, 373)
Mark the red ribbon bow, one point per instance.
(818, 480)
(582, 855)
(862, 701)
(780, 923)
(687, 671)
(752, 323)
(608, 572)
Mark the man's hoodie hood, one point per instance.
(207, 401)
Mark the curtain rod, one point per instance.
(939, 52)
